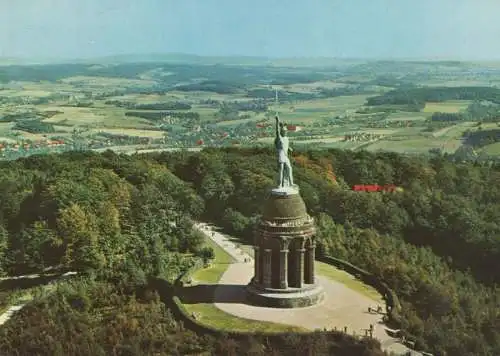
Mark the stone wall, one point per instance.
(167, 293)
(393, 305)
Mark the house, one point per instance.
(375, 188)
(293, 128)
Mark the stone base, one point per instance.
(284, 191)
(309, 295)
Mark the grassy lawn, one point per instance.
(213, 273)
(210, 315)
(335, 274)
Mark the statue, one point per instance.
(283, 146)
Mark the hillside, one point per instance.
(435, 242)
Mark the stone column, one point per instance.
(284, 266)
(310, 268)
(256, 266)
(267, 267)
(300, 267)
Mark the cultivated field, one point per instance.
(101, 106)
(451, 106)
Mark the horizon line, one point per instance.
(247, 56)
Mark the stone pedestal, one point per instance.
(284, 254)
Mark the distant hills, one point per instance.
(187, 59)
(211, 60)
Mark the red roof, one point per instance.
(375, 188)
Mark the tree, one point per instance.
(207, 254)
(79, 238)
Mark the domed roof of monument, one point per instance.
(284, 207)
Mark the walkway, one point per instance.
(25, 300)
(342, 308)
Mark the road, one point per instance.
(25, 300)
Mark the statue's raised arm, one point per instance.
(278, 128)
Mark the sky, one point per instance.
(423, 29)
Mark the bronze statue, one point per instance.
(283, 146)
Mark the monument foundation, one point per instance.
(284, 246)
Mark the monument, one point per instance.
(284, 243)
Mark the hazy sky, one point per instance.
(459, 29)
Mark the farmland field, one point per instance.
(493, 149)
(106, 108)
(105, 81)
(406, 116)
(453, 131)
(133, 132)
(451, 106)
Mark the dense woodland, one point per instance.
(34, 126)
(160, 115)
(121, 222)
(153, 106)
(231, 76)
(435, 94)
(436, 243)
(482, 138)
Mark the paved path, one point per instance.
(342, 307)
(23, 301)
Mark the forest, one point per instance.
(34, 126)
(153, 106)
(478, 139)
(120, 221)
(436, 242)
(404, 96)
(238, 76)
(157, 116)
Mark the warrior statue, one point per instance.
(283, 146)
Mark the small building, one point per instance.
(293, 128)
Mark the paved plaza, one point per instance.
(342, 307)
